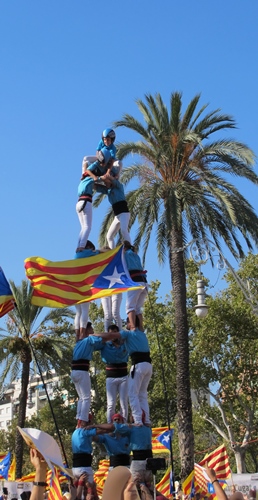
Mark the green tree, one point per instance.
(224, 350)
(184, 190)
(28, 334)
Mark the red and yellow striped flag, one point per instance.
(6, 296)
(100, 475)
(164, 486)
(55, 490)
(69, 282)
(219, 461)
(158, 447)
(12, 470)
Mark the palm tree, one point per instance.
(184, 192)
(24, 338)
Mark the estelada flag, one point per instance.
(69, 282)
(157, 446)
(6, 296)
(164, 486)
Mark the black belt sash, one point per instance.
(81, 364)
(142, 454)
(82, 460)
(138, 275)
(116, 370)
(120, 207)
(121, 459)
(140, 357)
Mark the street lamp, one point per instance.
(203, 250)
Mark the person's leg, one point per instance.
(134, 385)
(116, 301)
(131, 303)
(113, 230)
(77, 320)
(81, 380)
(111, 390)
(124, 219)
(138, 309)
(107, 309)
(84, 318)
(85, 218)
(87, 160)
(146, 369)
(123, 397)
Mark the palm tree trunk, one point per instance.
(21, 417)
(184, 402)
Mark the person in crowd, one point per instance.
(115, 355)
(137, 345)
(82, 310)
(82, 355)
(135, 298)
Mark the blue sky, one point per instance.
(69, 68)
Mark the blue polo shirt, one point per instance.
(84, 348)
(135, 340)
(140, 436)
(114, 355)
(82, 440)
(115, 445)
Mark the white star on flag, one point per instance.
(114, 278)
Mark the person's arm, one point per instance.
(108, 335)
(220, 493)
(39, 483)
(130, 492)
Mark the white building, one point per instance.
(9, 399)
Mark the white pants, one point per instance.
(137, 391)
(121, 222)
(116, 386)
(81, 315)
(136, 298)
(85, 218)
(81, 380)
(111, 308)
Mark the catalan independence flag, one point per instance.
(6, 296)
(65, 283)
(157, 446)
(164, 486)
(219, 461)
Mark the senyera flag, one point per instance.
(69, 282)
(6, 296)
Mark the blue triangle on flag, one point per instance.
(115, 274)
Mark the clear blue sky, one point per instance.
(69, 68)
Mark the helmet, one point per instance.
(104, 155)
(109, 132)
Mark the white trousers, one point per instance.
(121, 222)
(136, 298)
(111, 308)
(81, 380)
(85, 218)
(81, 315)
(137, 391)
(116, 386)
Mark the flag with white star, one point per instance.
(5, 465)
(166, 437)
(65, 283)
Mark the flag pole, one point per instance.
(166, 399)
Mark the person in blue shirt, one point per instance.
(114, 190)
(140, 438)
(115, 355)
(82, 454)
(135, 298)
(85, 193)
(107, 141)
(137, 345)
(82, 310)
(117, 446)
(82, 355)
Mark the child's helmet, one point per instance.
(109, 132)
(104, 155)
